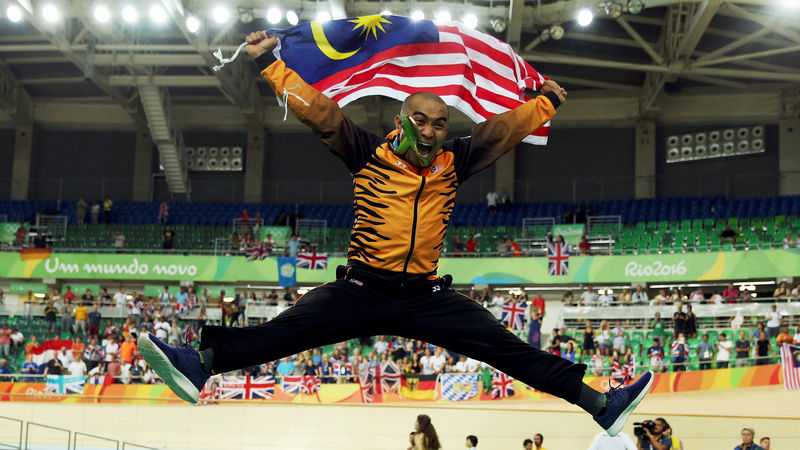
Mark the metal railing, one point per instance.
(21, 427)
(28, 430)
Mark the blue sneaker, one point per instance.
(179, 367)
(620, 403)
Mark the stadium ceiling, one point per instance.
(729, 48)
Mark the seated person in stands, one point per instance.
(584, 246)
(784, 337)
(728, 234)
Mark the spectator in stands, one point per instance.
(80, 210)
(290, 297)
(87, 298)
(676, 296)
(244, 218)
(94, 321)
(29, 368)
(114, 368)
(28, 300)
(757, 332)
(567, 298)
(697, 296)
(584, 247)
(54, 367)
(742, 350)
(624, 297)
(119, 241)
(598, 363)
(77, 368)
(656, 356)
(745, 296)
(588, 298)
(516, 251)
(604, 338)
(784, 337)
(497, 304)
(782, 291)
(21, 235)
(765, 443)
(103, 298)
(588, 345)
(619, 338)
(640, 296)
(458, 247)
(5, 340)
(773, 321)
(82, 317)
(111, 350)
(168, 239)
(65, 357)
(796, 292)
(539, 304)
(472, 244)
(491, 201)
(50, 318)
(569, 352)
(680, 321)
(724, 349)
(747, 440)
(107, 205)
(505, 199)
(4, 370)
(657, 325)
(728, 234)
(95, 212)
(763, 349)
(705, 353)
(691, 322)
(165, 296)
(680, 353)
(660, 299)
(18, 340)
(731, 294)
(788, 241)
(293, 245)
(503, 248)
(605, 298)
(163, 213)
(69, 296)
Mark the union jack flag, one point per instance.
(65, 384)
(247, 387)
(210, 391)
(257, 251)
(300, 384)
(312, 260)
(790, 365)
(513, 315)
(502, 385)
(618, 371)
(368, 386)
(390, 376)
(558, 258)
(181, 308)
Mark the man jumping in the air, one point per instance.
(405, 187)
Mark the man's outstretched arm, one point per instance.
(499, 134)
(310, 106)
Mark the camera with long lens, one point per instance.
(639, 427)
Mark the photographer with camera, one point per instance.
(650, 435)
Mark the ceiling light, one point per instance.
(323, 16)
(442, 16)
(386, 12)
(220, 14)
(470, 20)
(498, 24)
(192, 24)
(245, 15)
(157, 14)
(129, 14)
(101, 13)
(274, 15)
(51, 13)
(14, 13)
(292, 18)
(417, 14)
(585, 16)
(635, 6)
(556, 31)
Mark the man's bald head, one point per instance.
(413, 99)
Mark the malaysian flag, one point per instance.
(65, 384)
(256, 252)
(247, 387)
(502, 385)
(300, 384)
(458, 386)
(312, 260)
(513, 315)
(368, 385)
(790, 366)
(396, 56)
(557, 258)
(390, 376)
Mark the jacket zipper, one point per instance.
(414, 225)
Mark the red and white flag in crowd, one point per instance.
(513, 315)
(312, 260)
(247, 387)
(390, 376)
(367, 382)
(790, 365)
(502, 385)
(256, 252)
(300, 384)
(558, 258)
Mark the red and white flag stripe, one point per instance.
(790, 367)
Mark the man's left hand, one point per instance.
(552, 86)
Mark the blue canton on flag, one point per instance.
(457, 387)
(558, 258)
(65, 384)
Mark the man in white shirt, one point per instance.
(427, 362)
(161, 328)
(602, 441)
(491, 201)
(121, 298)
(773, 322)
(619, 338)
(497, 304)
(472, 365)
(381, 346)
(111, 349)
(640, 296)
(461, 365)
(438, 361)
(724, 348)
(77, 368)
(697, 296)
(606, 298)
(717, 298)
(588, 298)
(65, 357)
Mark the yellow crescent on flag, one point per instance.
(325, 47)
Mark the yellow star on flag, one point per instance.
(369, 24)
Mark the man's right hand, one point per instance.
(260, 42)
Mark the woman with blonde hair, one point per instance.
(424, 436)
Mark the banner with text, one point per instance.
(572, 233)
(583, 269)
